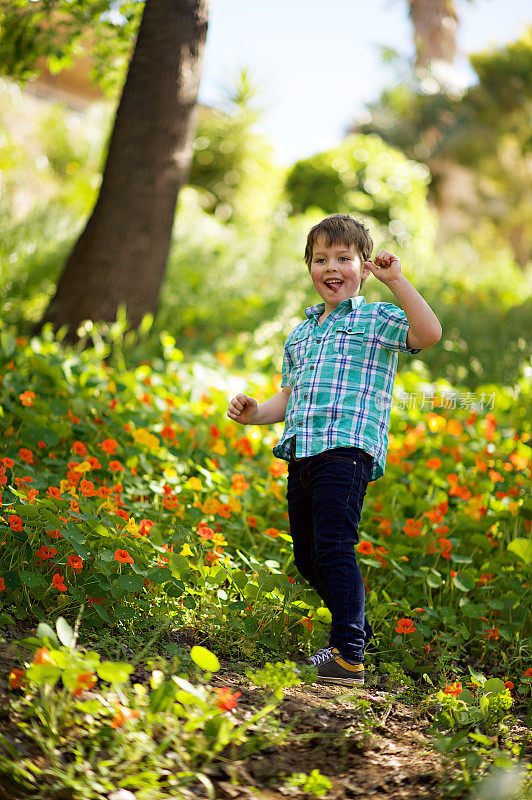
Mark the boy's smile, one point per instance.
(336, 272)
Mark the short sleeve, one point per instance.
(391, 329)
(287, 366)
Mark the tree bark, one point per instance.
(121, 255)
(435, 26)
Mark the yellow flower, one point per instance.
(513, 507)
(111, 387)
(186, 551)
(218, 539)
(170, 472)
(83, 467)
(195, 484)
(234, 504)
(143, 436)
(219, 448)
(132, 527)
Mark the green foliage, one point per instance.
(366, 177)
(315, 783)
(484, 129)
(60, 31)
(155, 741)
(230, 160)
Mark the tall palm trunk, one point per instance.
(121, 255)
(435, 25)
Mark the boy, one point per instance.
(337, 378)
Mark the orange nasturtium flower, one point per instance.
(122, 715)
(46, 552)
(15, 522)
(365, 548)
(109, 446)
(413, 527)
(405, 625)
(238, 483)
(123, 557)
(16, 678)
(27, 397)
(42, 656)
(58, 582)
(85, 680)
(453, 689)
(76, 562)
(225, 698)
(26, 455)
(273, 532)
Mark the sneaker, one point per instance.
(332, 668)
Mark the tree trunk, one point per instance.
(435, 25)
(121, 255)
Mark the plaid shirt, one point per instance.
(342, 374)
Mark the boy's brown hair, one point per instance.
(340, 229)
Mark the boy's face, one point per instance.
(336, 272)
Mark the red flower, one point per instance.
(115, 466)
(16, 522)
(26, 455)
(85, 680)
(225, 698)
(145, 525)
(2, 585)
(109, 446)
(58, 583)
(45, 552)
(76, 562)
(205, 532)
(27, 397)
(365, 548)
(509, 685)
(405, 625)
(123, 557)
(273, 532)
(453, 689)
(16, 678)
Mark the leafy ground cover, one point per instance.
(127, 493)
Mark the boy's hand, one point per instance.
(385, 266)
(243, 409)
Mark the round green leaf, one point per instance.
(114, 672)
(522, 548)
(205, 660)
(464, 581)
(130, 583)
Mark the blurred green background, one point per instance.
(236, 283)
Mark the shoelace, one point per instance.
(322, 655)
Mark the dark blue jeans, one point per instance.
(325, 493)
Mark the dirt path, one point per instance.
(364, 742)
(365, 752)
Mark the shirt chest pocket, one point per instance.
(298, 347)
(350, 341)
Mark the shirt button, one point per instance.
(318, 340)
(305, 396)
(349, 330)
(312, 367)
(300, 424)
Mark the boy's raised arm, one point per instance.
(247, 411)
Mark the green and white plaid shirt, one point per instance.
(342, 374)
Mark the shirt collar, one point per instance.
(344, 307)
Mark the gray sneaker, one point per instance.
(332, 668)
